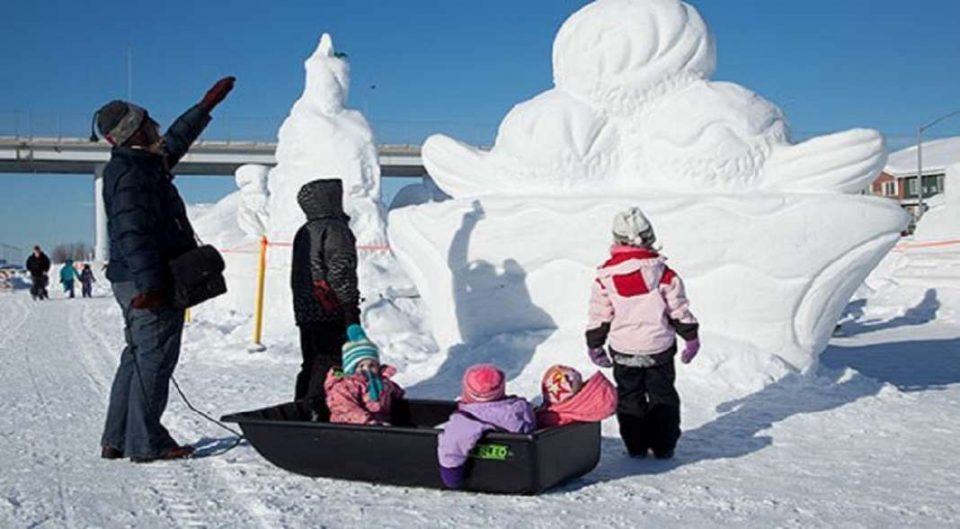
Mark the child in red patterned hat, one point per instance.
(566, 398)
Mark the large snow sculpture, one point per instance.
(770, 236)
(319, 139)
(323, 139)
(633, 110)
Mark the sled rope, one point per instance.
(206, 416)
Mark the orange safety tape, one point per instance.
(932, 244)
(253, 247)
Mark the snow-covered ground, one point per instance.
(867, 440)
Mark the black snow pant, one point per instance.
(38, 290)
(321, 345)
(648, 406)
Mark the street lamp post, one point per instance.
(920, 159)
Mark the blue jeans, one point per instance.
(141, 386)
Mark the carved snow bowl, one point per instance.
(772, 271)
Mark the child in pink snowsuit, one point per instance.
(483, 407)
(637, 307)
(567, 399)
(361, 392)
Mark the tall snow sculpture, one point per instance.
(771, 237)
(319, 139)
(323, 139)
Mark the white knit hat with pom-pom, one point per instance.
(632, 227)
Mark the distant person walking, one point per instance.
(68, 274)
(148, 227)
(38, 264)
(86, 281)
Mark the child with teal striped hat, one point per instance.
(361, 391)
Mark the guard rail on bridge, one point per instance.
(208, 157)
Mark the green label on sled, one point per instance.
(491, 451)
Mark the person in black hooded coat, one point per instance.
(323, 277)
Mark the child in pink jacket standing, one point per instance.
(637, 307)
(361, 392)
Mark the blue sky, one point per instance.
(437, 66)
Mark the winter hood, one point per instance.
(322, 199)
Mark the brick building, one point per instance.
(899, 181)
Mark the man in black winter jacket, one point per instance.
(38, 264)
(148, 227)
(324, 281)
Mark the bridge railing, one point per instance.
(228, 128)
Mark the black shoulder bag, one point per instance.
(197, 276)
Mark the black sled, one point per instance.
(405, 454)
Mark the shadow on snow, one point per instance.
(924, 312)
(488, 300)
(910, 366)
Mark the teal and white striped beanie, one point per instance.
(357, 348)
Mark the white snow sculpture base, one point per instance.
(771, 271)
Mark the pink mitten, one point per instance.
(599, 357)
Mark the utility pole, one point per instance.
(129, 74)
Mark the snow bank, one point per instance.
(770, 237)
(14, 280)
(942, 221)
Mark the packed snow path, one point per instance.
(835, 449)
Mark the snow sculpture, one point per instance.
(416, 194)
(770, 237)
(633, 110)
(323, 139)
(252, 213)
(319, 139)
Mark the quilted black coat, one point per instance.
(324, 251)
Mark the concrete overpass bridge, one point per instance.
(82, 157)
